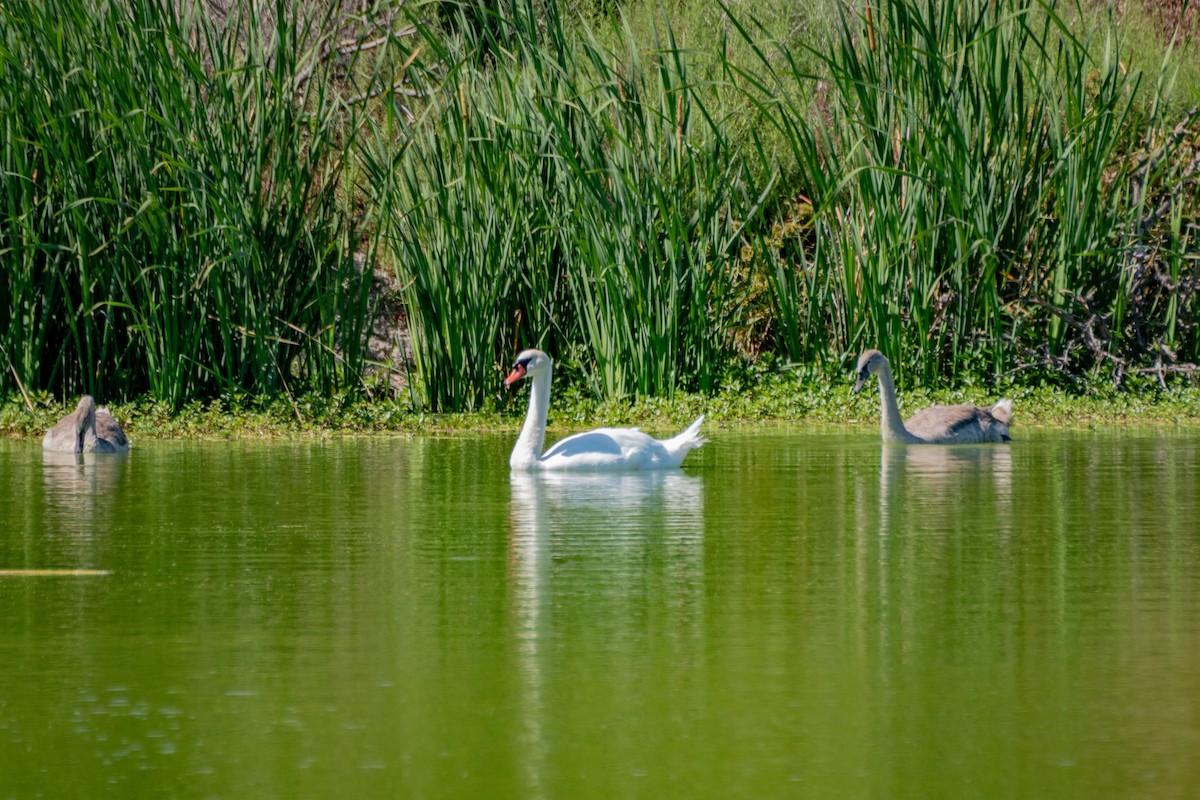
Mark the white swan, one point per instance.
(601, 449)
(937, 424)
(86, 429)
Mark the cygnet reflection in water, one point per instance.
(946, 481)
(82, 492)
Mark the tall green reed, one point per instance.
(172, 220)
(564, 195)
(658, 196)
(461, 191)
(965, 167)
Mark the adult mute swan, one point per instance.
(86, 429)
(961, 424)
(601, 449)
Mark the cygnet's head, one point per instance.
(869, 363)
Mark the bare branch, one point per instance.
(1086, 328)
(396, 88)
(352, 46)
(347, 46)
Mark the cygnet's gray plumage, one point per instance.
(86, 430)
(961, 424)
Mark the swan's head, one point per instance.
(869, 363)
(85, 419)
(529, 363)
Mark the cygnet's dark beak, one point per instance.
(516, 375)
(862, 379)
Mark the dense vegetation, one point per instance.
(985, 190)
(170, 220)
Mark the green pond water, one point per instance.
(791, 615)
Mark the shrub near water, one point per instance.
(170, 221)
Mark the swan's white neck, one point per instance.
(890, 423)
(527, 452)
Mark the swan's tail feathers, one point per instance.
(679, 446)
(1002, 411)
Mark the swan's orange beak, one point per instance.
(516, 375)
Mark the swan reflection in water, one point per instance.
(937, 482)
(607, 518)
(82, 493)
(607, 522)
(610, 503)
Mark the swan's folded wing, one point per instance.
(108, 429)
(61, 438)
(951, 424)
(599, 442)
(605, 448)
